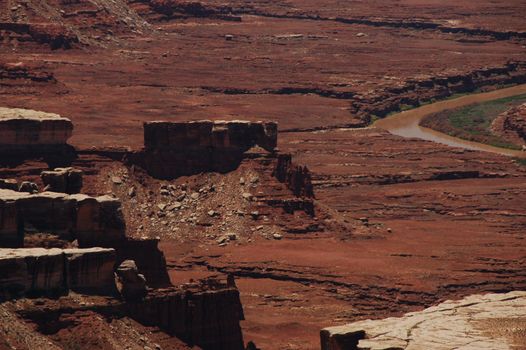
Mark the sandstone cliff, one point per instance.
(51, 272)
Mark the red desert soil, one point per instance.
(406, 223)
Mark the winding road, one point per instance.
(406, 124)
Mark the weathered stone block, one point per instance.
(65, 180)
(20, 128)
(93, 221)
(33, 271)
(91, 270)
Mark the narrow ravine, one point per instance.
(406, 123)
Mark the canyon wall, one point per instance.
(52, 272)
(297, 178)
(206, 315)
(92, 221)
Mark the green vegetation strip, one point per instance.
(473, 122)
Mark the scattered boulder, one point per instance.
(174, 149)
(29, 187)
(64, 180)
(130, 283)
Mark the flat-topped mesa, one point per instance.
(93, 221)
(219, 134)
(175, 149)
(24, 129)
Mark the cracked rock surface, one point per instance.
(491, 321)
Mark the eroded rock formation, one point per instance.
(208, 314)
(38, 271)
(491, 321)
(64, 180)
(175, 149)
(511, 125)
(130, 283)
(22, 128)
(93, 221)
(90, 270)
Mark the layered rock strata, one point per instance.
(22, 129)
(51, 272)
(511, 125)
(175, 149)
(492, 321)
(90, 270)
(206, 315)
(149, 258)
(92, 221)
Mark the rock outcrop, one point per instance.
(511, 125)
(149, 258)
(492, 321)
(21, 129)
(65, 180)
(175, 149)
(52, 272)
(130, 283)
(297, 178)
(93, 221)
(90, 270)
(206, 315)
(9, 184)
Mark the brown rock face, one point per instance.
(130, 283)
(93, 221)
(207, 315)
(38, 271)
(297, 178)
(492, 321)
(512, 125)
(149, 258)
(21, 129)
(185, 148)
(64, 180)
(90, 270)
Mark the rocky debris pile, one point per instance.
(491, 321)
(511, 125)
(64, 180)
(130, 283)
(22, 129)
(174, 149)
(51, 272)
(93, 221)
